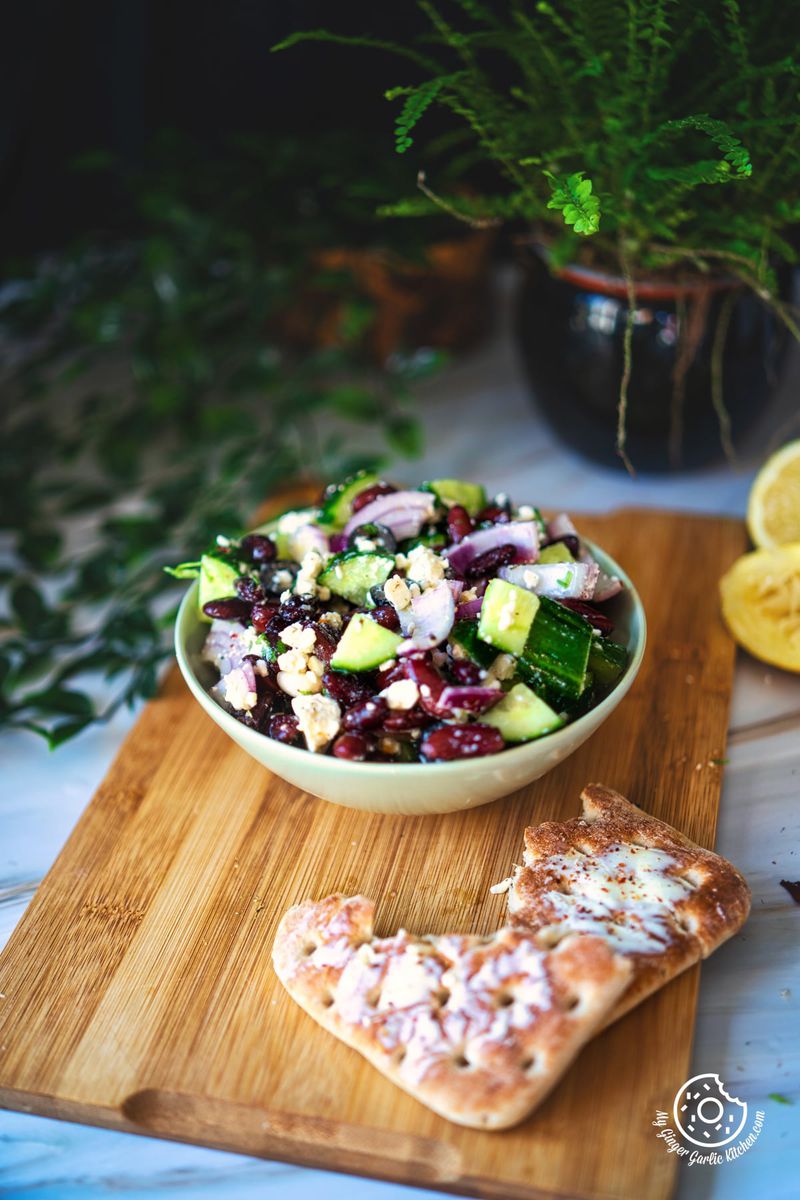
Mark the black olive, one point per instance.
(383, 537)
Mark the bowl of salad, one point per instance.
(409, 650)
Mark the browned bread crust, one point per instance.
(618, 873)
(477, 1028)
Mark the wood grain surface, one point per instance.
(138, 987)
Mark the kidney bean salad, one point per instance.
(390, 625)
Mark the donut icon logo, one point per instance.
(705, 1114)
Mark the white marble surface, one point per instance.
(480, 422)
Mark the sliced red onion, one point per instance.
(305, 538)
(560, 581)
(469, 610)
(238, 682)
(403, 512)
(606, 585)
(223, 646)
(456, 587)
(560, 527)
(428, 621)
(338, 543)
(466, 698)
(523, 535)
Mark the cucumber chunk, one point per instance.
(217, 581)
(507, 616)
(607, 661)
(351, 574)
(465, 635)
(337, 505)
(471, 496)
(364, 644)
(558, 644)
(522, 715)
(556, 553)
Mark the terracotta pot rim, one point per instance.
(645, 289)
(606, 283)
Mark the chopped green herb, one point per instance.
(779, 1099)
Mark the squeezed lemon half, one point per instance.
(773, 509)
(761, 604)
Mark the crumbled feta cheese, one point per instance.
(299, 637)
(285, 595)
(290, 522)
(292, 661)
(401, 695)
(298, 683)
(237, 690)
(283, 578)
(505, 618)
(365, 545)
(503, 667)
(525, 512)
(458, 652)
(319, 719)
(316, 665)
(401, 562)
(222, 540)
(332, 619)
(388, 745)
(530, 578)
(467, 595)
(425, 566)
(310, 567)
(397, 592)
(415, 590)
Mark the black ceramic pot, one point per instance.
(571, 329)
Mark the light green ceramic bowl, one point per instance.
(414, 787)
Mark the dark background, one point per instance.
(108, 75)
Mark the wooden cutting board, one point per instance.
(138, 991)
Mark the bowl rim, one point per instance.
(299, 754)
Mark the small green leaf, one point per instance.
(779, 1098)
(28, 605)
(186, 570)
(405, 436)
(66, 730)
(61, 700)
(572, 196)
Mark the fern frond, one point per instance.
(720, 134)
(572, 196)
(362, 40)
(417, 102)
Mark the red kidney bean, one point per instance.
(231, 609)
(491, 561)
(428, 680)
(467, 673)
(284, 727)
(367, 715)
(459, 523)
(369, 494)
(390, 675)
(385, 615)
(352, 746)
(411, 718)
(257, 548)
(262, 614)
(347, 689)
(248, 589)
(593, 615)
(493, 514)
(450, 742)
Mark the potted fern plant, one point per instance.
(648, 158)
